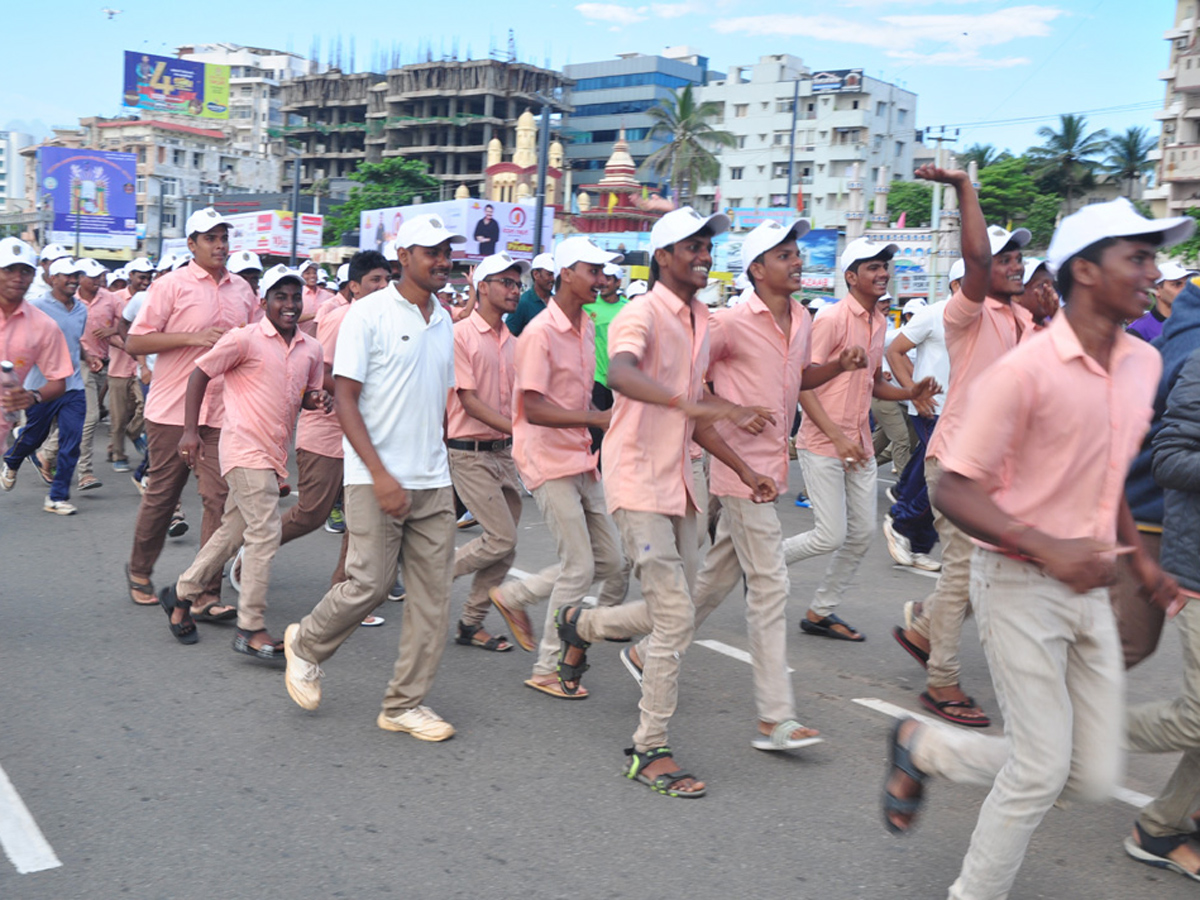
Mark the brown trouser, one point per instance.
(320, 481)
(125, 414)
(168, 474)
(1139, 621)
(426, 539)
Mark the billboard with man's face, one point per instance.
(488, 225)
(179, 86)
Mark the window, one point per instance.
(735, 174)
(169, 187)
(735, 201)
(781, 138)
(197, 160)
(881, 108)
(179, 157)
(783, 106)
(615, 108)
(741, 110)
(779, 170)
(141, 184)
(638, 78)
(899, 148)
(877, 144)
(901, 115)
(741, 142)
(168, 220)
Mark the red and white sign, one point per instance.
(270, 233)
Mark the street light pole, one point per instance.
(543, 162)
(295, 204)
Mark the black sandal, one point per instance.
(141, 587)
(660, 784)
(271, 652)
(466, 636)
(900, 758)
(565, 619)
(1154, 851)
(185, 631)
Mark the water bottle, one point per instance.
(8, 379)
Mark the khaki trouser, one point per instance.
(704, 500)
(1139, 622)
(168, 475)
(844, 506)
(93, 384)
(663, 551)
(251, 520)
(1056, 664)
(946, 609)
(588, 551)
(486, 481)
(426, 539)
(892, 418)
(319, 481)
(125, 406)
(750, 543)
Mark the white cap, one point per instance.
(816, 304)
(203, 221)
(612, 270)
(864, 248)
(1173, 271)
(65, 266)
(244, 261)
(181, 260)
(276, 274)
(426, 231)
(577, 249)
(769, 234)
(166, 264)
(343, 273)
(497, 263)
(118, 275)
(92, 269)
(636, 288)
(958, 270)
(1114, 219)
(389, 251)
(886, 298)
(15, 252)
(52, 252)
(308, 264)
(141, 264)
(999, 238)
(741, 282)
(543, 261)
(913, 306)
(332, 286)
(1032, 264)
(681, 223)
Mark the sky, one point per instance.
(996, 71)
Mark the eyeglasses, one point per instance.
(507, 283)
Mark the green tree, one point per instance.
(914, 198)
(1127, 157)
(394, 182)
(1066, 163)
(983, 155)
(687, 161)
(1189, 250)
(1006, 191)
(1042, 217)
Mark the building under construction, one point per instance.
(327, 116)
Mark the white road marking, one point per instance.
(519, 574)
(24, 844)
(913, 571)
(729, 651)
(1125, 795)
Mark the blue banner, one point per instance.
(179, 86)
(93, 193)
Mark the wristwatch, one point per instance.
(37, 396)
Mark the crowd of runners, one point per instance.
(1044, 428)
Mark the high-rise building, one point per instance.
(13, 196)
(327, 119)
(615, 93)
(1178, 153)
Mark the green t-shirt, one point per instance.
(602, 314)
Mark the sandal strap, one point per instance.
(1159, 846)
(782, 733)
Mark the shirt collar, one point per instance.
(481, 324)
(435, 316)
(558, 319)
(756, 305)
(1068, 347)
(200, 275)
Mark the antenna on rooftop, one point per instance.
(512, 46)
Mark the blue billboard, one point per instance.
(179, 86)
(93, 193)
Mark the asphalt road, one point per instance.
(156, 770)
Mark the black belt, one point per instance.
(482, 446)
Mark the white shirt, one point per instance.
(927, 331)
(129, 313)
(40, 288)
(406, 368)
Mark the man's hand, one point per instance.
(751, 418)
(103, 334)
(930, 172)
(850, 452)
(1082, 564)
(318, 400)
(207, 337)
(852, 358)
(191, 448)
(762, 487)
(600, 418)
(1164, 591)
(391, 497)
(95, 363)
(16, 399)
(922, 394)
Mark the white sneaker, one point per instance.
(58, 507)
(8, 477)
(420, 721)
(925, 563)
(302, 677)
(898, 544)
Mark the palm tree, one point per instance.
(687, 160)
(983, 155)
(1065, 164)
(1127, 156)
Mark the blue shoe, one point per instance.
(803, 501)
(140, 444)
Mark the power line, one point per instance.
(1024, 120)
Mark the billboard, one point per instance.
(489, 226)
(849, 81)
(93, 196)
(180, 86)
(270, 233)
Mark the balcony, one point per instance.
(1181, 162)
(1187, 74)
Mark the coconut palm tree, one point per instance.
(1127, 156)
(1066, 163)
(983, 155)
(687, 161)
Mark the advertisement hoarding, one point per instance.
(93, 195)
(849, 81)
(489, 226)
(169, 85)
(270, 232)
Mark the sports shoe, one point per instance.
(397, 591)
(890, 493)
(303, 678)
(8, 477)
(466, 520)
(120, 465)
(140, 484)
(925, 562)
(44, 470)
(140, 444)
(802, 501)
(898, 544)
(178, 526)
(58, 507)
(420, 721)
(336, 523)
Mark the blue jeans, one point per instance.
(70, 409)
(911, 514)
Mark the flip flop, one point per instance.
(371, 622)
(912, 649)
(203, 615)
(825, 628)
(943, 708)
(516, 619)
(781, 738)
(554, 689)
(900, 758)
(146, 587)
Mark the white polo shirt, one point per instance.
(406, 368)
(927, 330)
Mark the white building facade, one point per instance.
(13, 197)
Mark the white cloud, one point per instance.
(914, 38)
(674, 10)
(613, 13)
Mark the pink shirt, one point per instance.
(183, 301)
(753, 363)
(265, 381)
(31, 338)
(1050, 435)
(120, 363)
(483, 363)
(647, 466)
(103, 312)
(313, 298)
(977, 334)
(557, 361)
(847, 398)
(329, 303)
(319, 431)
